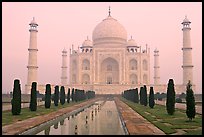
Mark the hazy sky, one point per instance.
(63, 24)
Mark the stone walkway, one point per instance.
(21, 126)
(181, 106)
(135, 123)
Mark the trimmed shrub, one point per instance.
(68, 95)
(56, 95)
(141, 96)
(90, 94)
(76, 95)
(182, 95)
(151, 98)
(145, 95)
(16, 100)
(170, 102)
(48, 96)
(73, 96)
(33, 98)
(178, 100)
(136, 96)
(190, 103)
(62, 95)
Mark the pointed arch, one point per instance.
(85, 79)
(133, 64)
(145, 64)
(133, 79)
(85, 64)
(145, 79)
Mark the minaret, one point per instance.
(187, 53)
(32, 59)
(156, 67)
(64, 68)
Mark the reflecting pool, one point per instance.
(101, 118)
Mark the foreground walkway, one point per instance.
(135, 123)
(21, 126)
(181, 106)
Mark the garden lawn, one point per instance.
(8, 118)
(167, 123)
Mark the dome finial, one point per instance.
(109, 11)
(87, 37)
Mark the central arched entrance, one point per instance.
(109, 73)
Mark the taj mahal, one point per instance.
(110, 62)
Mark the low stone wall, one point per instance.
(117, 88)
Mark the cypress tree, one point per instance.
(136, 96)
(151, 98)
(145, 95)
(16, 101)
(190, 102)
(133, 95)
(47, 96)
(33, 98)
(141, 96)
(72, 96)
(76, 95)
(62, 95)
(56, 95)
(68, 95)
(170, 102)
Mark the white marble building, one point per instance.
(111, 63)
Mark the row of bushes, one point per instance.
(77, 95)
(132, 95)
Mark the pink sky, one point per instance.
(63, 24)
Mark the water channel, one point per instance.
(100, 118)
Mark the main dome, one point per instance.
(109, 30)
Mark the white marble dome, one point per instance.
(131, 42)
(87, 43)
(109, 28)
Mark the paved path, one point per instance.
(181, 106)
(21, 126)
(135, 123)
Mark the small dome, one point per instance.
(131, 42)
(33, 22)
(156, 50)
(87, 43)
(109, 28)
(186, 20)
(64, 51)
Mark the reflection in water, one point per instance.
(75, 130)
(103, 122)
(56, 126)
(47, 131)
(62, 122)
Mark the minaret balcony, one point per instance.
(32, 49)
(32, 67)
(187, 48)
(187, 66)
